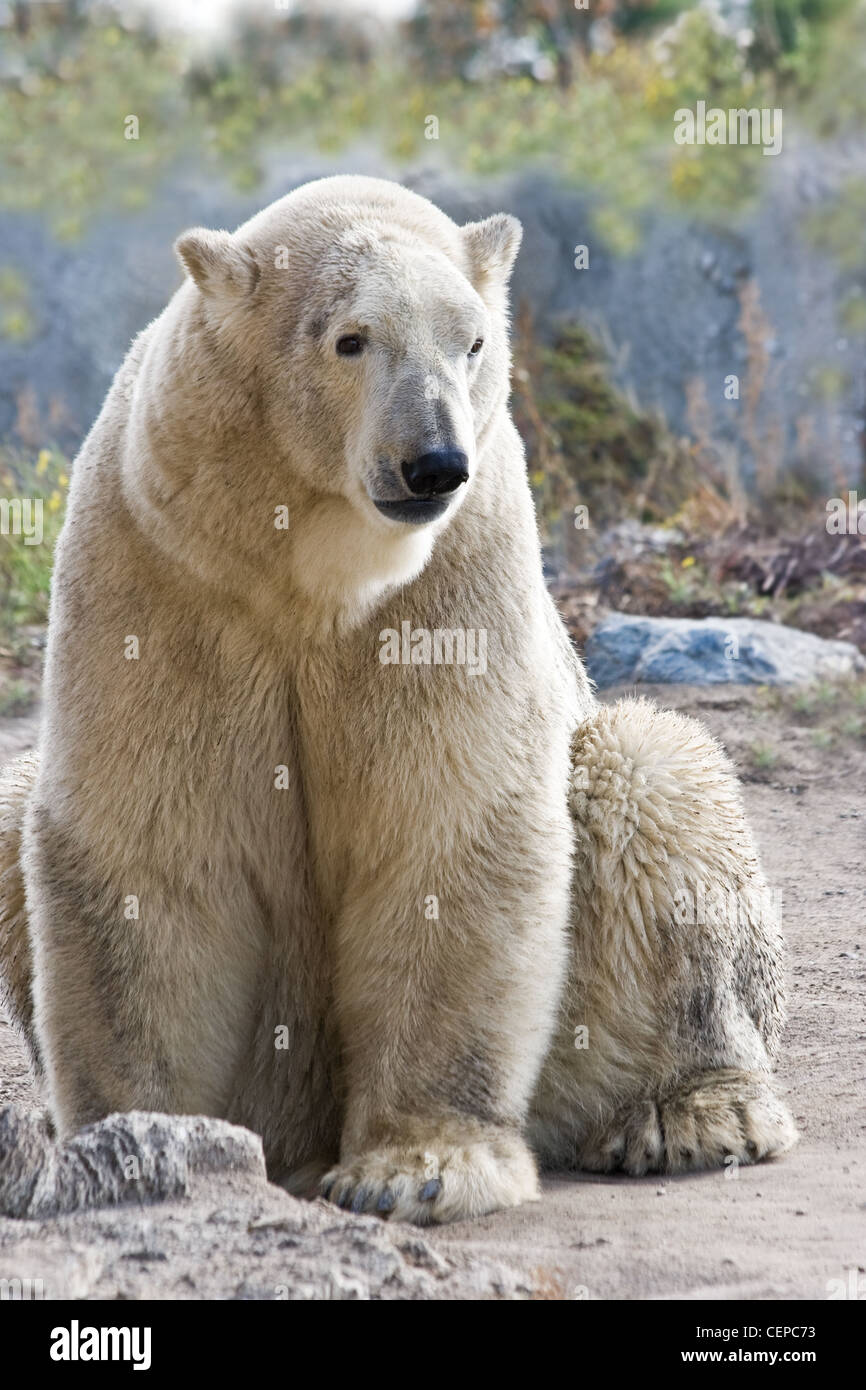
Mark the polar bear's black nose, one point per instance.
(434, 474)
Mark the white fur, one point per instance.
(284, 807)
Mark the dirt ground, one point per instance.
(780, 1230)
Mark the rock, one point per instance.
(201, 1222)
(138, 1157)
(713, 651)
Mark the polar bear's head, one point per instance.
(373, 332)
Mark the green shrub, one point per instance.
(25, 570)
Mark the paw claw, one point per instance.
(387, 1202)
(430, 1190)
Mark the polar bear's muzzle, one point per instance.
(432, 479)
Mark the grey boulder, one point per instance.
(624, 650)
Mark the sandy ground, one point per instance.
(780, 1230)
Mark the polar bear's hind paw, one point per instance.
(706, 1122)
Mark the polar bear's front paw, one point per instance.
(447, 1175)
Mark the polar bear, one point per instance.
(287, 855)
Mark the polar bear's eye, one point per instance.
(476, 347)
(350, 345)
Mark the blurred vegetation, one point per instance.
(589, 93)
(588, 443)
(25, 570)
(16, 321)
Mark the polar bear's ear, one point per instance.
(492, 247)
(218, 263)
